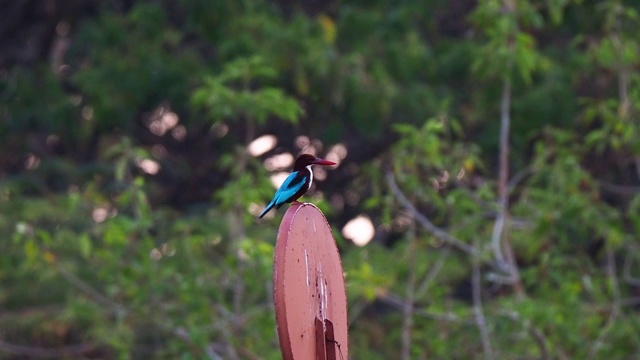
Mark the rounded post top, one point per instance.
(309, 292)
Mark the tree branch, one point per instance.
(619, 189)
(407, 308)
(535, 333)
(503, 176)
(94, 294)
(424, 221)
(499, 237)
(636, 161)
(626, 268)
(477, 308)
(40, 352)
(433, 272)
(183, 335)
(398, 303)
(615, 303)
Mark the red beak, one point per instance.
(319, 161)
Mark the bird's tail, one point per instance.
(266, 210)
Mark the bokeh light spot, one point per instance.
(262, 144)
(360, 230)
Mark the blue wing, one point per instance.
(291, 185)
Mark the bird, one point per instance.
(297, 183)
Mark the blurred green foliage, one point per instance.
(128, 197)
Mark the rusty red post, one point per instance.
(309, 291)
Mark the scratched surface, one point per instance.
(308, 283)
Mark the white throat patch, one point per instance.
(311, 176)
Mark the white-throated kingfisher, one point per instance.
(297, 183)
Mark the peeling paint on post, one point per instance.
(308, 285)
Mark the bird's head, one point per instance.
(305, 160)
